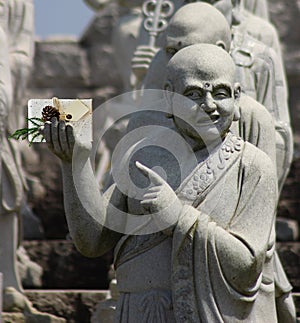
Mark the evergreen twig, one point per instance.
(24, 133)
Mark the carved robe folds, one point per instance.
(217, 266)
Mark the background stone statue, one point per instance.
(125, 34)
(17, 43)
(11, 183)
(258, 8)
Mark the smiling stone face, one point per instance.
(204, 74)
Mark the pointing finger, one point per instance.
(153, 176)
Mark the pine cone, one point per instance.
(50, 112)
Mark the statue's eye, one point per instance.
(221, 93)
(171, 51)
(194, 94)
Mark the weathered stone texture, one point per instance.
(76, 306)
(13, 318)
(65, 268)
(60, 63)
(287, 229)
(289, 254)
(289, 204)
(285, 15)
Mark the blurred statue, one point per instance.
(129, 33)
(267, 84)
(11, 179)
(258, 8)
(16, 56)
(125, 34)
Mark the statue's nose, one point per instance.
(209, 104)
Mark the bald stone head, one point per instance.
(205, 74)
(197, 23)
(201, 61)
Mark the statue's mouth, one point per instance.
(214, 117)
(209, 119)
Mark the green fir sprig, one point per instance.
(24, 133)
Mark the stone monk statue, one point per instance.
(213, 263)
(201, 23)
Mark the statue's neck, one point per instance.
(202, 150)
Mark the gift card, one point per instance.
(77, 112)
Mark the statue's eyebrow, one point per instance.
(227, 87)
(194, 87)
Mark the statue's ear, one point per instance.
(169, 93)
(221, 44)
(237, 95)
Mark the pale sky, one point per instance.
(61, 17)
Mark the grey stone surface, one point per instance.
(289, 253)
(285, 15)
(29, 271)
(13, 318)
(18, 303)
(103, 72)
(1, 292)
(287, 229)
(105, 310)
(32, 226)
(76, 306)
(65, 268)
(297, 302)
(60, 62)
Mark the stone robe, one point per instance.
(261, 74)
(261, 30)
(217, 265)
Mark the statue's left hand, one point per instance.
(61, 139)
(160, 199)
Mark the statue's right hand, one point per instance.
(60, 138)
